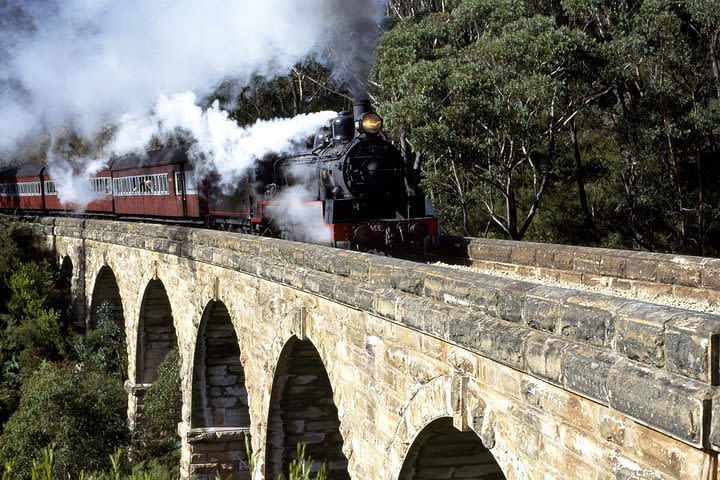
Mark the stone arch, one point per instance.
(219, 414)
(156, 332)
(106, 299)
(64, 284)
(66, 271)
(443, 451)
(454, 400)
(219, 395)
(302, 410)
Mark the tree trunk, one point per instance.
(511, 207)
(715, 66)
(701, 206)
(580, 178)
(413, 161)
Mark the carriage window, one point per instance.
(26, 189)
(50, 188)
(102, 185)
(156, 184)
(189, 181)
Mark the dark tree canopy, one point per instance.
(572, 121)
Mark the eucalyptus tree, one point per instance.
(482, 89)
(660, 62)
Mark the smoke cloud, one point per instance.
(73, 180)
(82, 64)
(293, 211)
(220, 146)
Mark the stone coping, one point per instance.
(654, 363)
(679, 275)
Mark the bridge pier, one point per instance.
(207, 451)
(135, 392)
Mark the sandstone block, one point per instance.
(383, 272)
(413, 311)
(677, 270)
(585, 370)
(543, 306)
(385, 303)
(714, 435)
(500, 251)
(641, 266)
(352, 293)
(613, 263)
(438, 318)
(545, 257)
(543, 356)
(563, 257)
(692, 346)
(485, 292)
(524, 253)
(660, 400)
(496, 339)
(510, 300)
(475, 250)
(639, 331)
(588, 261)
(318, 283)
(590, 325)
(710, 276)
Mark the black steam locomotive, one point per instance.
(348, 190)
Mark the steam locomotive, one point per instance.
(348, 190)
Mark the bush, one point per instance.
(83, 413)
(33, 324)
(104, 349)
(156, 438)
(46, 470)
(19, 243)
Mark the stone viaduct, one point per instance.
(389, 369)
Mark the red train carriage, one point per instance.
(160, 185)
(21, 188)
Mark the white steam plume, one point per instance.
(221, 146)
(81, 64)
(73, 180)
(303, 218)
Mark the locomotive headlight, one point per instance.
(371, 123)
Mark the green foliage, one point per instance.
(19, 242)
(574, 121)
(33, 329)
(34, 296)
(163, 399)
(482, 91)
(44, 470)
(82, 412)
(301, 468)
(156, 438)
(118, 470)
(104, 348)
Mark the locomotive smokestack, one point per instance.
(361, 106)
